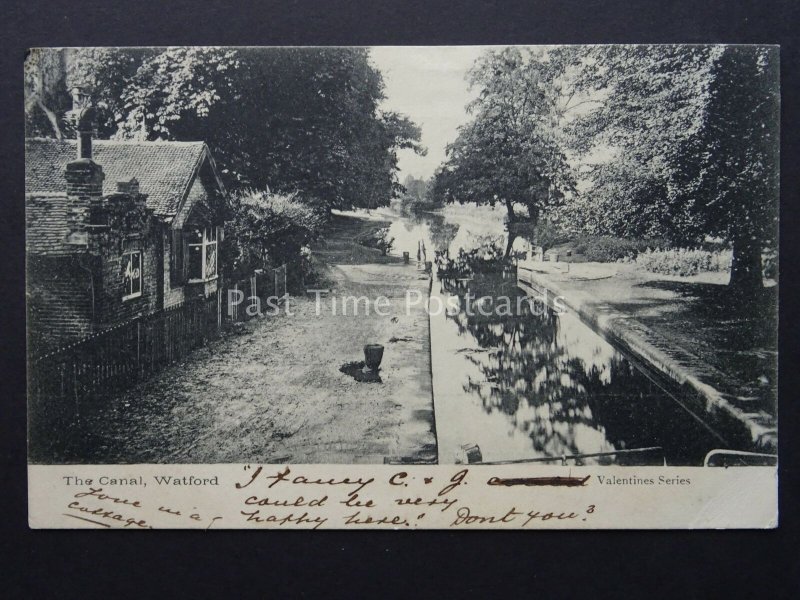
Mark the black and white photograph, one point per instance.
(558, 255)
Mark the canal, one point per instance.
(524, 382)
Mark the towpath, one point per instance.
(274, 392)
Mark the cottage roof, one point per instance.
(48, 223)
(164, 170)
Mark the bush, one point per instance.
(411, 205)
(488, 257)
(378, 239)
(684, 262)
(612, 249)
(270, 229)
(544, 234)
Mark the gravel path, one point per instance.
(274, 392)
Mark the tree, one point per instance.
(46, 94)
(693, 143)
(417, 197)
(104, 74)
(289, 118)
(512, 150)
(737, 181)
(415, 189)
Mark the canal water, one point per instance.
(524, 382)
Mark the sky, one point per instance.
(428, 84)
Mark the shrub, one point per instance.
(684, 262)
(544, 234)
(270, 229)
(487, 257)
(378, 239)
(612, 249)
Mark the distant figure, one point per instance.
(422, 254)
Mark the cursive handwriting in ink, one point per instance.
(283, 477)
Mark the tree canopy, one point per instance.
(292, 119)
(512, 149)
(675, 141)
(693, 134)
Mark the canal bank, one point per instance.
(534, 386)
(537, 385)
(637, 320)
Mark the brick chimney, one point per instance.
(84, 176)
(130, 187)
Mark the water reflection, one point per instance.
(556, 383)
(533, 383)
(446, 232)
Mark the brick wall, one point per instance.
(78, 291)
(129, 226)
(111, 307)
(59, 300)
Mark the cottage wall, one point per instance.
(111, 307)
(77, 237)
(80, 290)
(59, 300)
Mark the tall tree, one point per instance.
(737, 158)
(415, 188)
(46, 95)
(291, 119)
(692, 136)
(105, 74)
(511, 151)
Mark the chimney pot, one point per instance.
(85, 113)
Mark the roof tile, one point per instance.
(163, 169)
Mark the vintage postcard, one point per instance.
(511, 287)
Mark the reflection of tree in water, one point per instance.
(442, 232)
(528, 375)
(566, 404)
(409, 225)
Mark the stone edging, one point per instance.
(758, 428)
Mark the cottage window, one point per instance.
(201, 246)
(131, 274)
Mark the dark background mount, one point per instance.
(44, 564)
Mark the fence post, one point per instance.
(253, 294)
(219, 308)
(75, 388)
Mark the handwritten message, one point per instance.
(355, 494)
(312, 497)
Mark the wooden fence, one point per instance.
(255, 296)
(61, 382)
